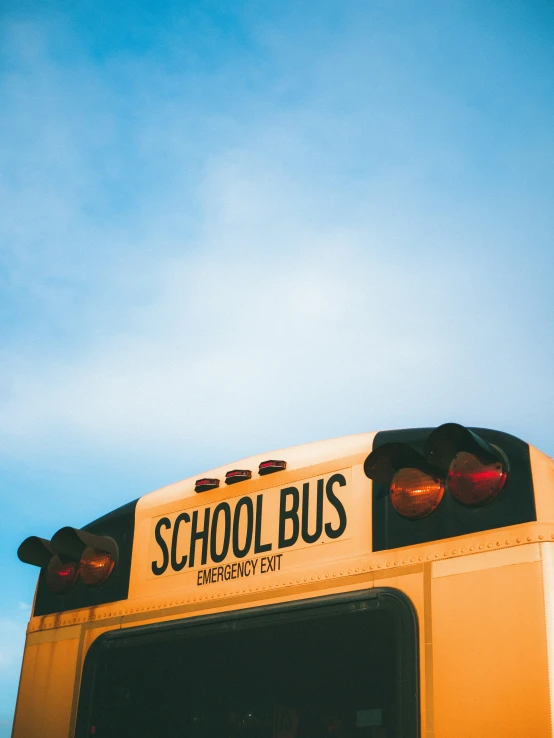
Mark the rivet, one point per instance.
(518, 540)
(507, 541)
(319, 576)
(428, 558)
(357, 568)
(371, 567)
(471, 548)
(436, 556)
(379, 566)
(454, 552)
(489, 545)
(445, 553)
(388, 564)
(528, 538)
(419, 558)
(404, 561)
(498, 543)
(350, 571)
(481, 546)
(327, 576)
(365, 567)
(540, 538)
(341, 573)
(412, 559)
(396, 563)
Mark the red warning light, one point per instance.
(61, 575)
(473, 482)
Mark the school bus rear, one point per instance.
(377, 585)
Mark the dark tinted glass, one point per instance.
(327, 675)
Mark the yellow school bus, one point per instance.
(385, 585)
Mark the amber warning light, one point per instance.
(415, 494)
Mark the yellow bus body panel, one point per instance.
(490, 669)
(48, 683)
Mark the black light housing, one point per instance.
(35, 551)
(382, 464)
(485, 474)
(64, 559)
(72, 542)
(449, 439)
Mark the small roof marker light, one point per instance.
(237, 475)
(269, 467)
(203, 485)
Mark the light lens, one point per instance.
(61, 576)
(269, 467)
(203, 485)
(237, 475)
(95, 567)
(415, 494)
(472, 482)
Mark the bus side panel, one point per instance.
(46, 689)
(489, 646)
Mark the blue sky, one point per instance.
(226, 228)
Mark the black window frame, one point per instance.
(391, 600)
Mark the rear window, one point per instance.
(339, 669)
